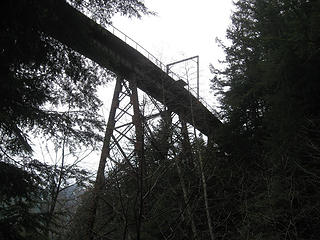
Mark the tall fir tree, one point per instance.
(271, 106)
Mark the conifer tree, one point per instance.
(270, 102)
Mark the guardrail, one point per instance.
(128, 40)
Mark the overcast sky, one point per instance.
(182, 29)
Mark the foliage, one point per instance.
(172, 193)
(270, 101)
(262, 174)
(20, 215)
(102, 11)
(39, 200)
(46, 87)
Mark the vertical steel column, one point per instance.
(137, 121)
(108, 134)
(167, 133)
(100, 179)
(139, 151)
(198, 75)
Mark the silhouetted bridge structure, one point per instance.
(134, 70)
(82, 34)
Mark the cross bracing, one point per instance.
(131, 121)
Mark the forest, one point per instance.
(258, 178)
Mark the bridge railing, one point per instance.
(128, 40)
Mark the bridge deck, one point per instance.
(77, 31)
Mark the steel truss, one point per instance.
(131, 123)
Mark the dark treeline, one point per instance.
(270, 103)
(260, 179)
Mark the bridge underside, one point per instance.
(77, 31)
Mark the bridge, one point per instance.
(82, 34)
(134, 71)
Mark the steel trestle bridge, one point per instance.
(129, 123)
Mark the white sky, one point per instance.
(182, 29)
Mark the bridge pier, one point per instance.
(131, 123)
